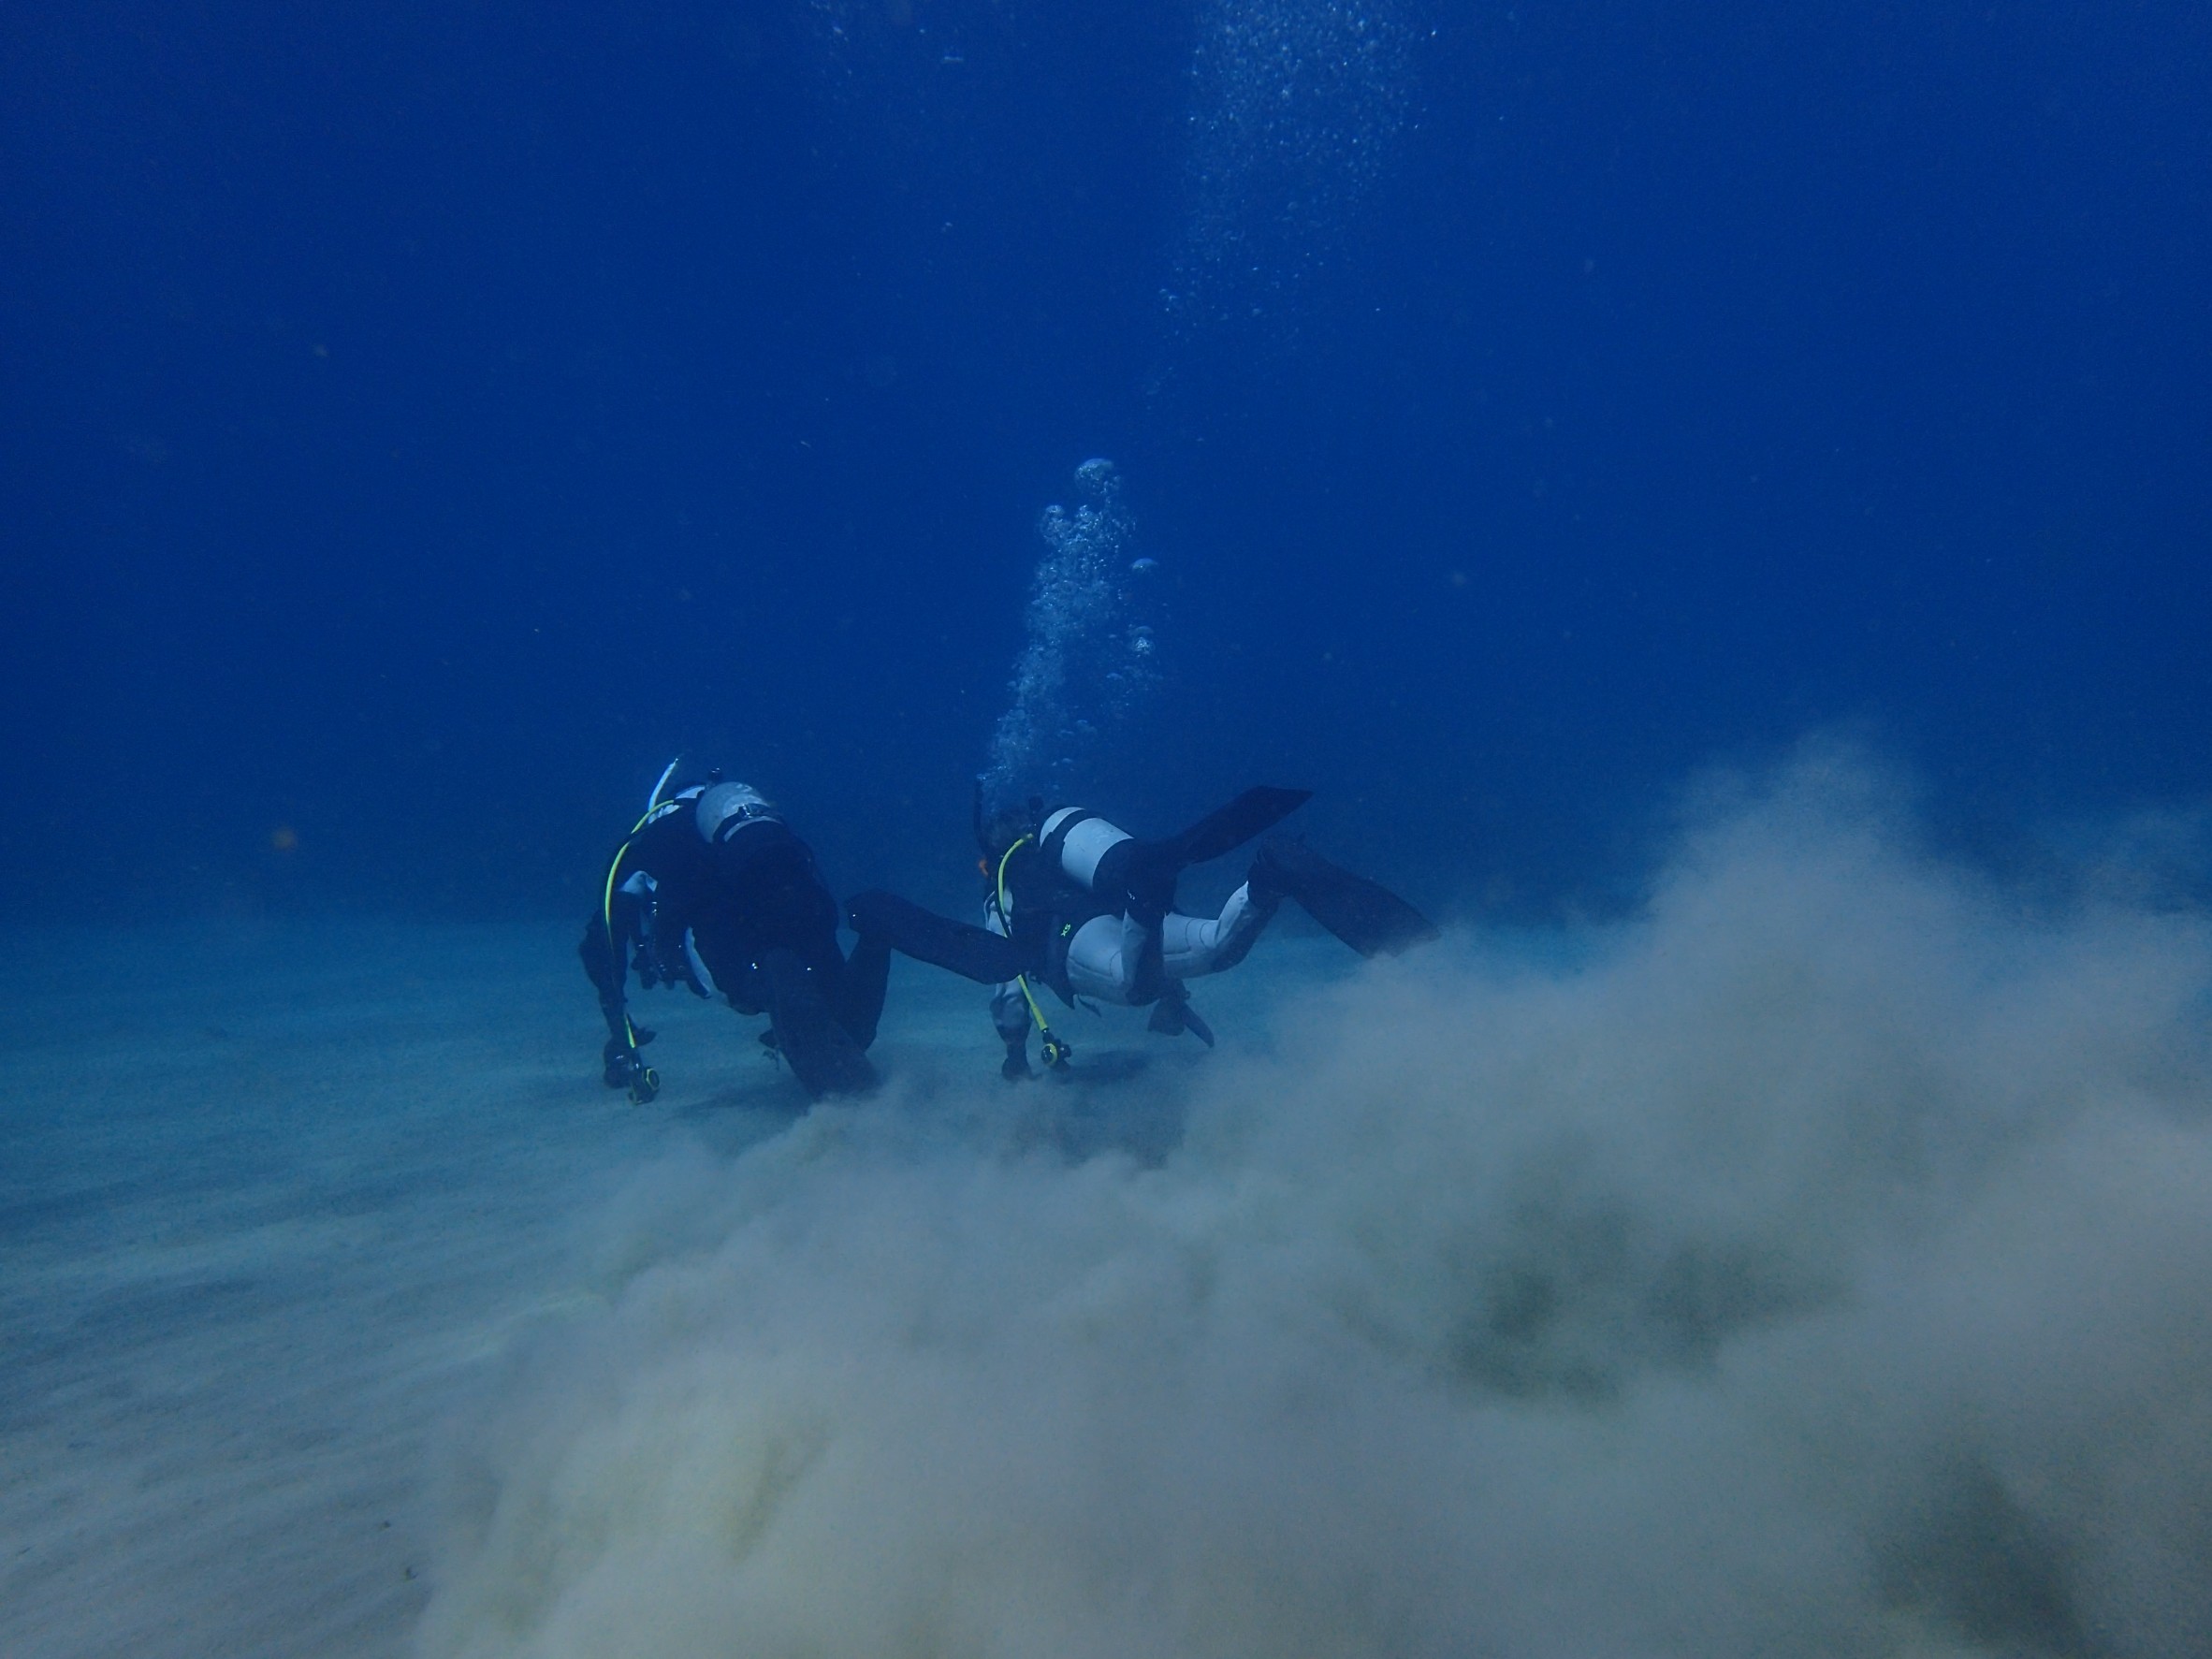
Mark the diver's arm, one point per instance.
(605, 950)
(603, 968)
(1010, 1008)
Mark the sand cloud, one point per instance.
(1820, 1262)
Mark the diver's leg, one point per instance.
(1011, 1018)
(1191, 946)
(822, 1054)
(604, 971)
(1101, 958)
(861, 988)
(619, 1061)
(1116, 959)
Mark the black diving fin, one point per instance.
(1172, 1015)
(1152, 866)
(972, 953)
(1366, 915)
(1227, 828)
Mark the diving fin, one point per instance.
(972, 953)
(1149, 868)
(1198, 1028)
(1365, 914)
(1173, 1016)
(1227, 828)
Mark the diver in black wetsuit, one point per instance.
(713, 891)
(1083, 908)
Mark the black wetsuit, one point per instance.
(747, 918)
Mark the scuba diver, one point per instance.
(1083, 908)
(713, 891)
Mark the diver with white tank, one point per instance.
(1078, 906)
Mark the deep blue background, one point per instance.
(420, 418)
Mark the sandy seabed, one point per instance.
(1817, 1261)
(273, 1202)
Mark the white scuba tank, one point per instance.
(1081, 838)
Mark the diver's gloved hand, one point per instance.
(1016, 1067)
(623, 1068)
(615, 1062)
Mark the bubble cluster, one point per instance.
(1295, 106)
(1090, 656)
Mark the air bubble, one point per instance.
(1086, 662)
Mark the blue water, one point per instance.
(421, 420)
(1714, 499)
